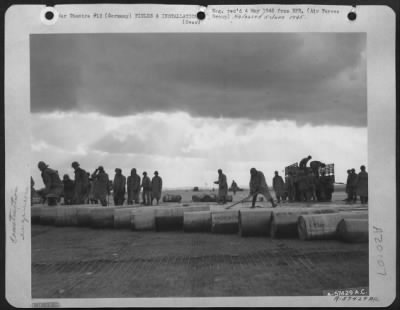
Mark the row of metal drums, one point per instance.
(309, 223)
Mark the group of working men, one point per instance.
(307, 184)
(357, 185)
(258, 185)
(96, 187)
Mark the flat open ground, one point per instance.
(72, 262)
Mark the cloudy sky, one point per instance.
(188, 104)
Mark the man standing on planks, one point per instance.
(101, 185)
(362, 185)
(156, 188)
(53, 185)
(119, 187)
(81, 191)
(222, 187)
(146, 184)
(258, 185)
(133, 185)
(279, 187)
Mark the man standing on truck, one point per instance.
(258, 185)
(315, 165)
(303, 162)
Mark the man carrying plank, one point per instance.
(258, 185)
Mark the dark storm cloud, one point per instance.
(309, 78)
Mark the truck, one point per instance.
(307, 186)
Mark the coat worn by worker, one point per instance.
(353, 182)
(119, 188)
(100, 186)
(259, 185)
(279, 186)
(146, 183)
(362, 184)
(146, 195)
(81, 186)
(156, 187)
(222, 186)
(133, 185)
(53, 184)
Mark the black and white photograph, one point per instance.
(199, 164)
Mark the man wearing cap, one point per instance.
(53, 185)
(101, 185)
(258, 185)
(81, 184)
(133, 184)
(279, 187)
(146, 184)
(119, 187)
(222, 187)
(156, 187)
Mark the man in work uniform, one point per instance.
(69, 188)
(81, 184)
(119, 187)
(348, 199)
(353, 186)
(101, 185)
(156, 188)
(312, 186)
(315, 165)
(258, 185)
(327, 187)
(291, 187)
(362, 185)
(303, 162)
(133, 185)
(222, 187)
(146, 184)
(234, 187)
(279, 187)
(53, 185)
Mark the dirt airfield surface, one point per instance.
(74, 262)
